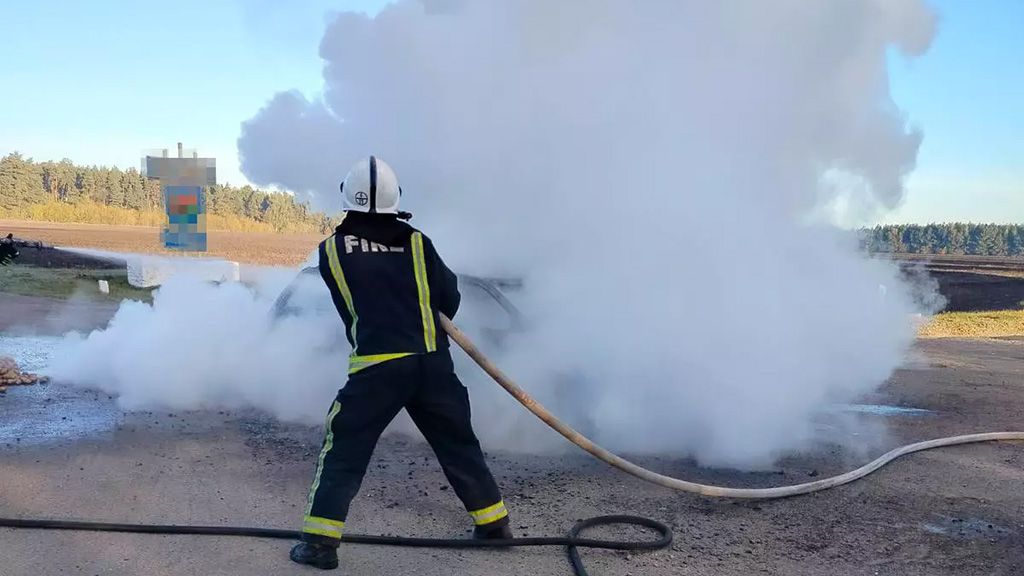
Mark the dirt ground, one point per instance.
(247, 247)
(68, 453)
(73, 454)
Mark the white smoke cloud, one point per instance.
(649, 169)
(200, 345)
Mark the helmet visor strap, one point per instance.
(373, 184)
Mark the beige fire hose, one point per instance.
(703, 489)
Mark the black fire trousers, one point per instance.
(427, 387)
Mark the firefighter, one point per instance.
(8, 251)
(389, 284)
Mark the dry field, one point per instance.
(247, 247)
(989, 324)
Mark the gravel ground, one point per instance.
(69, 453)
(38, 315)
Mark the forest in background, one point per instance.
(66, 192)
(953, 238)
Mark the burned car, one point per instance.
(486, 303)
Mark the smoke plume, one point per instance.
(200, 345)
(656, 172)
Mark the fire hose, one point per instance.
(572, 542)
(682, 485)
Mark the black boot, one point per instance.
(496, 531)
(321, 556)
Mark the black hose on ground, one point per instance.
(572, 541)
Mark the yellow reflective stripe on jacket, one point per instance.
(423, 288)
(322, 526)
(328, 444)
(489, 514)
(339, 279)
(357, 363)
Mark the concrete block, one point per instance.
(151, 271)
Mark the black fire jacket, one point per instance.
(388, 284)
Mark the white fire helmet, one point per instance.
(371, 186)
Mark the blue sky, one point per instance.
(967, 95)
(103, 81)
(100, 82)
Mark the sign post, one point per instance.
(182, 182)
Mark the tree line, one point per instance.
(64, 191)
(955, 238)
(25, 184)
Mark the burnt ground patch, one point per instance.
(967, 291)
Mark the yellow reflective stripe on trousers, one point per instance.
(357, 363)
(339, 280)
(489, 514)
(423, 288)
(322, 526)
(328, 444)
